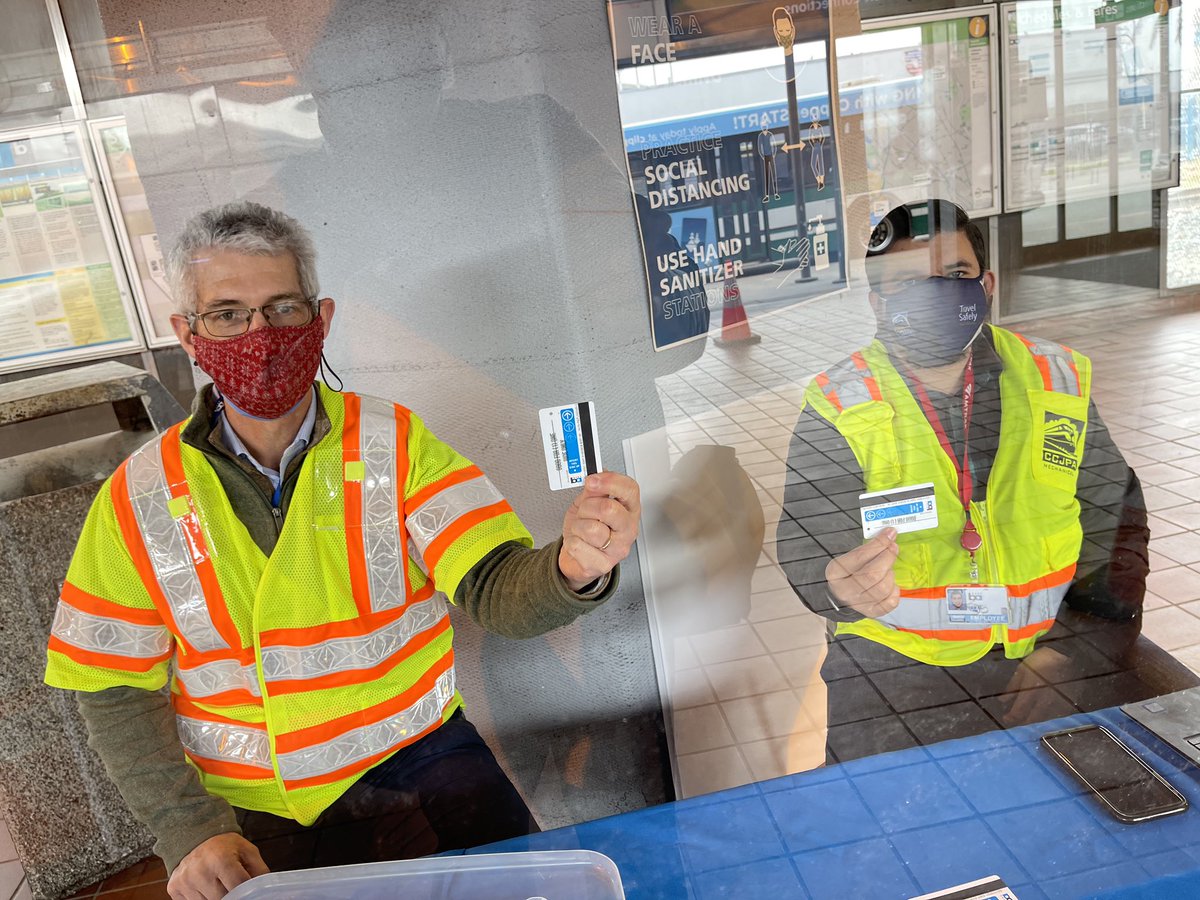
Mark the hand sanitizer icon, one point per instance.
(820, 245)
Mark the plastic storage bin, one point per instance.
(542, 875)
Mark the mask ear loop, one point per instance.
(326, 367)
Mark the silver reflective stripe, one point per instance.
(370, 740)
(103, 635)
(218, 677)
(384, 551)
(169, 555)
(225, 742)
(933, 615)
(437, 513)
(1062, 379)
(350, 653)
(849, 381)
(415, 555)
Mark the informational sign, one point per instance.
(62, 293)
(926, 89)
(730, 139)
(136, 232)
(1092, 100)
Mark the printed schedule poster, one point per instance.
(58, 292)
(726, 115)
(924, 89)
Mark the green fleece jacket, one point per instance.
(513, 591)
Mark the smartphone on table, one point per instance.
(1128, 788)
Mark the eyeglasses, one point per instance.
(234, 320)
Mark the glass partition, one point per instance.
(891, 309)
(33, 86)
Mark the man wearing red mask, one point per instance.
(285, 555)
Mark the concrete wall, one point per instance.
(468, 194)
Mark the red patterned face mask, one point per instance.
(264, 372)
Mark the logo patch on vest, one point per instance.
(1061, 436)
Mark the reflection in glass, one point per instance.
(32, 88)
(961, 513)
(730, 150)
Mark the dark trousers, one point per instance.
(880, 700)
(444, 792)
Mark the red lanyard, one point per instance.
(970, 540)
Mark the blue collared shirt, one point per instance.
(302, 439)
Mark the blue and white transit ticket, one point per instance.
(990, 888)
(571, 444)
(911, 508)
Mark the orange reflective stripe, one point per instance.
(235, 697)
(830, 394)
(240, 771)
(106, 660)
(98, 606)
(980, 634)
(318, 634)
(932, 593)
(1020, 634)
(326, 731)
(353, 500)
(1074, 371)
(402, 424)
(127, 520)
(1040, 361)
(860, 363)
(363, 676)
(1051, 580)
(461, 526)
(414, 502)
(193, 532)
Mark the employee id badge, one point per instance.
(979, 604)
(571, 444)
(912, 508)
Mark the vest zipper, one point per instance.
(992, 545)
(989, 537)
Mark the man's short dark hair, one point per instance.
(921, 220)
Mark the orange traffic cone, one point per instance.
(735, 328)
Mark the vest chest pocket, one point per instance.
(869, 431)
(1058, 425)
(914, 566)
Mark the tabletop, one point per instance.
(901, 824)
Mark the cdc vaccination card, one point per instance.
(571, 444)
(911, 508)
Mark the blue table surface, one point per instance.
(907, 823)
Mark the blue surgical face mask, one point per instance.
(933, 321)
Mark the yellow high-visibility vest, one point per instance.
(1029, 520)
(293, 674)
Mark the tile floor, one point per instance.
(747, 700)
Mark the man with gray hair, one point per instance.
(280, 563)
